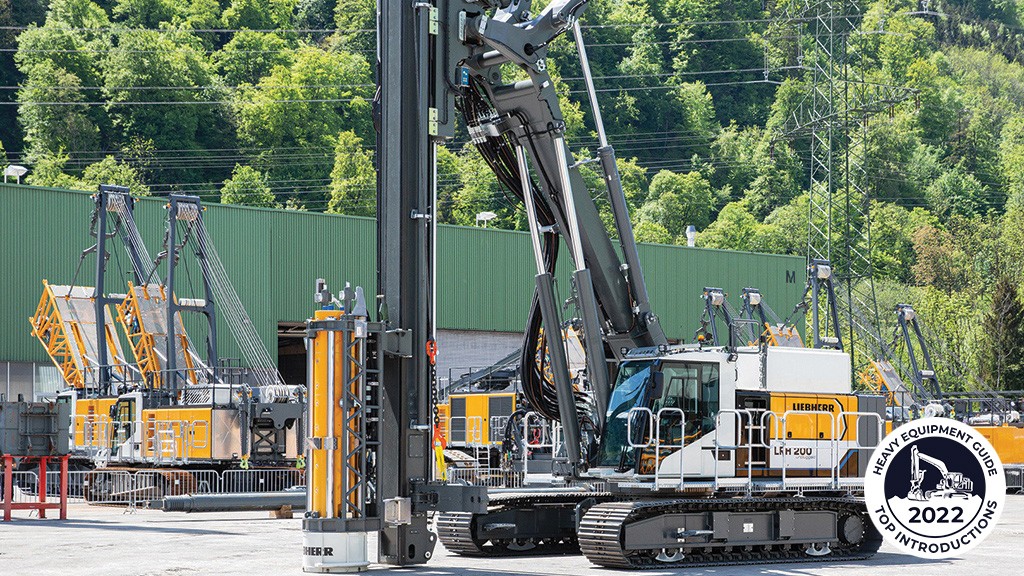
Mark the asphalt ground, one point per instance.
(110, 542)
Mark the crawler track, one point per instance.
(458, 530)
(601, 534)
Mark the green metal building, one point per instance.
(485, 276)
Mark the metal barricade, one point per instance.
(261, 480)
(205, 481)
(76, 480)
(25, 486)
(103, 487)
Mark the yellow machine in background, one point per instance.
(65, 324)
(167, 407)
(484, 417)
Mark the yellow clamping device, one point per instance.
(338, 449)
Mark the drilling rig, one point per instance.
(670, 456)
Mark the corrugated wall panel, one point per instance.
(485, 276)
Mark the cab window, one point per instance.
(693, 388)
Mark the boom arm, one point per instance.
(513, 123)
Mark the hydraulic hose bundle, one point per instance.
(498, 150)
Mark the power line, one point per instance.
(179, 102)
(129, 30)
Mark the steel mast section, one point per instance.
(114, 199)
(926, 384)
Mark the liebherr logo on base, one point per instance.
(935, 488)
(813, 407)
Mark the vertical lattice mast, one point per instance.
(833, 118)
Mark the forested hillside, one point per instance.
(268, 103)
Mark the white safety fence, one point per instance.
(25, 486)
(490, 477)
(138, 488)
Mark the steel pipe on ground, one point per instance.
(296, 499)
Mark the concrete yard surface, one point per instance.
(110, 542)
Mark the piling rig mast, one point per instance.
(716, 307)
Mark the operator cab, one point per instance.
(671, 401)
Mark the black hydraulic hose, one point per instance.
(500, 155)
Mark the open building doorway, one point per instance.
(291, 352)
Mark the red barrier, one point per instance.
(8, 504)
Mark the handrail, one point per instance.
(472, 430)
(629, 427)
(832, 438)
(856, 425)
(550, 434)
(658, 445)
(739, 413)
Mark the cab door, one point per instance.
(686, 414)
(123, 417)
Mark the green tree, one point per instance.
(353, 180)
(61, 73)
(50, 126)
(112, 171)
(315, 15)
(634, 181)
(1004, 326)
(48, 170)
(651, 233)
(956, 192)
(199, 14)
(180, 119)
(247, 187)
(892, 245)
(676, 201)
(299, 110)
(937, 263)
(734, 229)
(1011, 161)
(355, 21)
(479, 191)
(784, 230)
(259, 14)
(77, 14)
(889, 151)
(447, 184)
(145, 13)
(249, 56)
